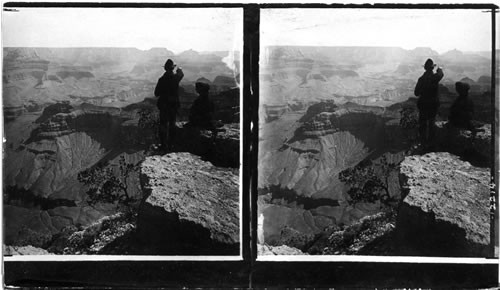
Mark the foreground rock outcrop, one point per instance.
(25, 250)
(220, 146)
(35, 227)
(190, 207)
(445, 211)
(105, 236)
(475, 148)
(370, 235)
(266, 250)
(293, 225)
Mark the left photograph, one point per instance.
(122, 131)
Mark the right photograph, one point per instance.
(375, 131)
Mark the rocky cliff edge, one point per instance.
(190, 206)
(445, 211)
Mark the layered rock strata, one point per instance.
(301, 195)
(48, 168)
(28, 226)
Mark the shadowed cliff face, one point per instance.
(300, 158)
(62, 143)
(43, 157)
(326, 140)
(49, 167)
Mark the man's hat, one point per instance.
(169, 64)
(462, 87)
(202, 86)
(429, 64)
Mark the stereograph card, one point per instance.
(249, 145)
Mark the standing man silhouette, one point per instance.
(167, 89)
(428, 102)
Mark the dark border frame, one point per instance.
(249, 273)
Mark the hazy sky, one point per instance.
(177, 29)
(442, 30)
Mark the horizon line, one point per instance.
(123, 47)
(372, 46)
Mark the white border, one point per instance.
(71, 258)
(78, 258)
(356, 2)
(393, 259)
(379, 259)
(260, 258)
(242, 47)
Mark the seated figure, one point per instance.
(462, 110)
(201, 113)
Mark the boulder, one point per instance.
(101, 237)
(266, 250)
(369, 235)
(221, 147)
(25, 250)
(476, 149)
(445, 211)
(190, 206)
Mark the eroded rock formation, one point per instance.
(104, 236)
(474, 147)
(445, 211)
(190, 206)
(370, 235)
(220, 146)
(27, 226)
(301, 194)
(70, 109)
(328, 139)
(25, 250)
(49, 167)
(266, 250)
(292, 225)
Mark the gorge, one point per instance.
(336, 126)
(69, 110)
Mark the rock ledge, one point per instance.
(190, 205)
(446, 206)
